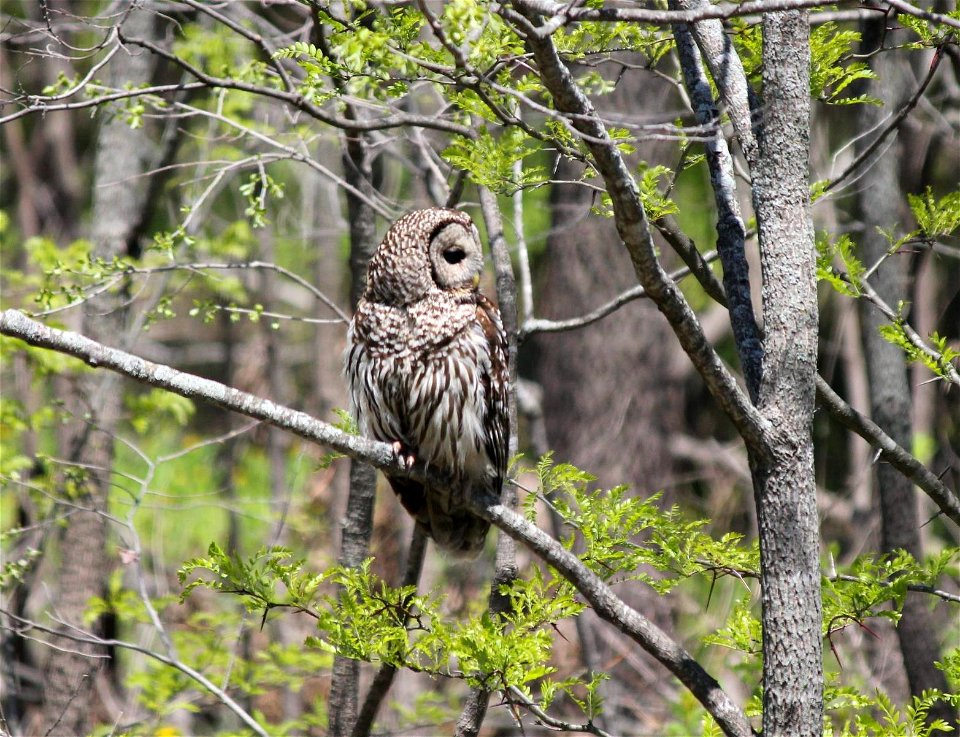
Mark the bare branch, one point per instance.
(892, 126)
(515, 695)
(525, 310)
(381, 455)
(725, 67)
(559, 14)
(539, 325)
(908, 9)
(634, 229)
(223, 696)
(42, 105)
(731, 231)
(892, 453)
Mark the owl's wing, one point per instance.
(496, 388)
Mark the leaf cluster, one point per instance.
(845, 280)
(620, 535)
(853, 713)
(876, 586)
(361, 617)
(833, 68)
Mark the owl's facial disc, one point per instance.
(456, 257)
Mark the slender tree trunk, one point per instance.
(358, 524)
(784, 485)
(887, 371)
(505, 568)
(122, 153)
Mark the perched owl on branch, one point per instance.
(426, 361)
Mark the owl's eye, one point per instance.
(454, 255)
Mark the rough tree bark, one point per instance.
(775, 139)
(784, 485)
(887, 372)
(778, 431)
(122, 154)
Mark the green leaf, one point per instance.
(150, 410)
(936, 218)
(845, 280)
(489, 161)
(831, 71)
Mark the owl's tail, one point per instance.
(456, 530)
(442, 514)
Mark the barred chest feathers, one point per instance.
(427, 366)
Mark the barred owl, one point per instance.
(426, 361)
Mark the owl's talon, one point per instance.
(407, 460)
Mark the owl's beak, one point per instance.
(476, 281)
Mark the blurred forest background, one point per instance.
(215, 228)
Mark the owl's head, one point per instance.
(424, 252)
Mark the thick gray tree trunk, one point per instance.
(777, 431)
(122, 154)
(880, 205)
(784, 477)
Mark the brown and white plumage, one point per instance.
(426, 361)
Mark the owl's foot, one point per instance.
(407, 458)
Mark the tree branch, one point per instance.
(17, 325)
(731, 231)
(892, 453)
(893, 125)
(295, 99)
(205, 682)
(908, 9)
(612, 609)
(251, 36)
(949, 370)
(842, 412)
(539, 325)
(634, 229)
(725, 67)
(561, 15)
(606, 603)
(515, 695)
(358, 162)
